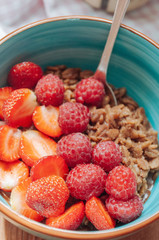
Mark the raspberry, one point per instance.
(73, 117)
(50, 90)
(85, 181)
(107, 155)
(121, 183)
(124, 211)
(75, 148)
(24, 75)
(90, 91)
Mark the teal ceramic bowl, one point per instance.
(78, 41)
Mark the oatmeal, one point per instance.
(126, 124)
(76, 161)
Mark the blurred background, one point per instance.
(143, 15)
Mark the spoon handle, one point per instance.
(119, 14)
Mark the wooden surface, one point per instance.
(10, 232)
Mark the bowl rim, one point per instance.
(12, 216)
(73, 17)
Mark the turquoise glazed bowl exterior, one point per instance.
(78, 41)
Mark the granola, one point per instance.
(126, 124)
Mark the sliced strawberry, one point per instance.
(11, 174)
(18, 108)
(18, 204)
(48, 196)
(4, 94)
(46, 120)
(49, 165)
(70, 219)
(35, 145)
(9, 143)
(98, 215)
(2, 123)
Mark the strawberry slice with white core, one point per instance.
(70, 219)
(11, 174)
(49, 165)
(46, 120)
(35, 145)
(18, 203)
(9, 143)
(18, 108)
(2, 123)
(4, 94)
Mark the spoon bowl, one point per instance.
(78, 41)
(101, 72)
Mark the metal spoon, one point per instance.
(101, 71)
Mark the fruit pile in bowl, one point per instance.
(48, 162)
(128, 130)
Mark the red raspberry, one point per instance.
(121, 183)
(75, 148)
(73, 117)
(86, 180)
(24, 75)
(124, 211)
(50, 90)
(107, 155)
(90, 91)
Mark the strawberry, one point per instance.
(50, 90)
(70, 219)
(9, 143)
(18, 108)
(98, 215)
(49, 165)
(4, 94)
(18, 203)
(11, 174)
(24, 75)
(2, 123)
(48, 196)
(35, 145)
(46, 120)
